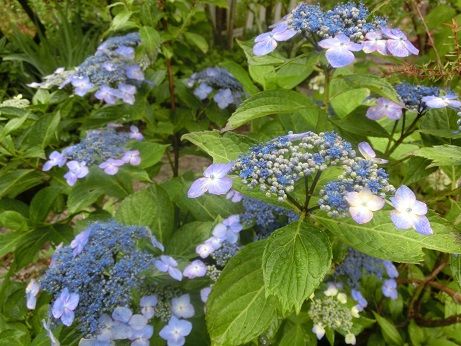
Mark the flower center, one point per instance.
(409, 210)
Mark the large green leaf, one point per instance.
(379, 238)
(150, 207)
(295, 261)
(441, 155)
(186, 238)
(237, 309)
(375, 84)
(222, 148)
(241, 75)
(267, 103)
(43, 202)
(17, 181)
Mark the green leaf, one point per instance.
(151, 153)
(241, 75)
(296, 334)
(222, 148)
(441, 155)
(358, 124)
(346, 102)
(295, 261)
(197, 40)
(43, 202)
(295, 71)
(379, 238)
(150, 207)
(150, 41)
(455, 266)
(375, 84)
(20, 180)
(267, 103)
(237, 309)
(13, 220)
(186, 238)
(390, 332)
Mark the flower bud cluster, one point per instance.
(412, 95)
(106, 148)
(276, 165)
(112, 72)
(358, 174)
(218, 81)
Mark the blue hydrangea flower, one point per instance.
(223, 98)
(32, 290)
(202, 91)
(148, 304)
(181, 307)
(214, 181)
(168, 264)
(339, 50)
(389, 289)
(397, 43)
(196, 269)
(362, 204)
(449, 100)
(64, 306)
(384, 108)
(175, 331)
(55, 159)
(412, 95)
(80, 241)
(267, 42)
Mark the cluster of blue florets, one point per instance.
(412, 95)
(218, 81)
(112, 72)
(356, 265)
(276, 165)
(106, 148)
(102, 265)
(351, 19)
(266, 217)
(358, 174)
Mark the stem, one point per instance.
(391, 137)
(407, 133)
(295, 202)
(312, 188)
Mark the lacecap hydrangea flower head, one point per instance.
(419, 98)
(95, 283)
(345, 29)
(106, 148)
(112, 73)
(218, 82)
(360, 190)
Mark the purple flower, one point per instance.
(397, 43)
(234, 196)
(358, 297)
(229, 229)
(168, 264)
(80, 241)
(148, 304)
(81, 84)
(141, 337)
(137, 322)
(204, 250)
(215, 181)
(204, 293)
(202, 91)
(196, 269)
(391, 270)
(77, 170)
(339, 50)
(126, 52)
(362, 205)
(32, 290)
(223, 98)
(127, 92)
(107, 94)
(111, 166)
(132, 157)
(175, 331)
(409, 213)
(374, 43)
(267, 42)
(64, 306)
(181, 307)
(134, 72)
(56, 159)
(122, 314)
(449, 100)
(156, 243)
(385, 108)
(135, 134)
(389, 289)
(368, 153)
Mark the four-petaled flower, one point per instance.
(409, 213)
(215, 181)
(135, 134)
(267, 42)
(318, 330)
(80, 241)
(111, 166)
(385, 108)
(202, 91)
(397, 43)
(448, 100)
(196, 269)
(77, 170)
(362, 204)
(339, 50)
(181, 307)
(389, 289)
(167, 264)
(374, 43)
(223, 98)
(368, 153)
(175, 331)
(132, 157)
(56, 159)
(148, 304)
(64, 306)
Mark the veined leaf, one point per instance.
(441, 155)
(375, 84)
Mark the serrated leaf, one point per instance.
(222, 148)
(295, 261)
(150, 40)
(186, 238)
(267, 103)
(346, 102)
(379, 238)
(237, 309)
(150, 207)
(441, 155)
(241, 75)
